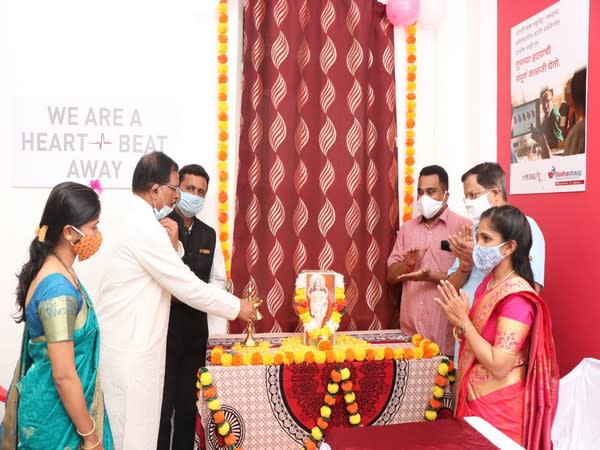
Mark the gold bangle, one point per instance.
(83, 447)
(90, 433)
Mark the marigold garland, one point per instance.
(223, 136)
(346, 349)
(340, 382)
(446, 373)
(209, 393)
(411, 107)
(302, 307)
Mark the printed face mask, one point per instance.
(88, 245)
(190, 205)
(486, 258)
(476, 207)
(428, 207)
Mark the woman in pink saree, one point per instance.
(507, 372)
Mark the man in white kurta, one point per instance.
(133, 311)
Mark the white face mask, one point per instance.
(164, 211)
(428, 207)
(476, 207)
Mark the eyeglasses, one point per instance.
(175, 188)
(476, 195)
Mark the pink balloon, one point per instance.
(403, 12)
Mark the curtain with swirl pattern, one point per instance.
(317, 183)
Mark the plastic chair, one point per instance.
(576, 422)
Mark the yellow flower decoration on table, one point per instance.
(209, 393)
(223, 136)
(445, 374)
(317, 331)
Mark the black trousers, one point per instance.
(186, 353)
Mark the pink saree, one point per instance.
(522, 404)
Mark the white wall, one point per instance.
(153, 49)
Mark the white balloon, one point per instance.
(432, 13)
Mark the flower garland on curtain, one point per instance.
(339, 380)
(223, 137)
(209, 392)
(411, 106)
(445, 373)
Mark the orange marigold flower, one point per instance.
(256, 359)
(222, 78)
(408, 199)
(222, 155)
(347, 386)
(336, 375)
(223, 117)
(222, 97)
(223, 176)
(278, 359)
(322, 424)
(222, 38)
(223, 60)
(435, 404)
(223, 18)
(409, 180)
(223, 136)
(450, 366)
(324, 345)
(230, 439)
(370, 354)
(411, 96)
(441, 380)
(411, 39)
(409, 160)
(310, 444)
(223, 196)
(350, 355)
(210, 392)
(237, 360)
(219, 417)
(215, 358)
(223, 217)
(329, 399)
(428, 353)
(411, 76)
(410, 123)
(309, 357)
(409, 143)
(223, 236)
(352, 408)
(406, 217)
(408, 354)
(330, 358)
(412, 58)
(388, 352)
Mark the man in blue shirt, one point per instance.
(484, 187)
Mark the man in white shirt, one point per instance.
(135, 299)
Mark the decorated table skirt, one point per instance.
(274, 407)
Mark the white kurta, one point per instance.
(133, 311)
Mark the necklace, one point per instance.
(491, 283)
(68, 269)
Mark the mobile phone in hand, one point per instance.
(445, 245)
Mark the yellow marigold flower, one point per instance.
(299, 356)
(451, 378)
(206, 379)
(354, 419)
(416, 339)
(223, 107)
(267, 358)
(430, 414)
(316, 433)
(398, 353)
(224, 429)
(213, 404)
(247, 359)
(301, 292)
(434, 348)
(418, 353)
(438, 392)
(315, 333)
(226, 359)
(340, 355)
(325, 411)
(333, 388)
(305, 317)
(379, 353)
(336, 316)
(339, 291)
(320, 356)
(349, 397)
(222, 28)
(443, 369)
(360, 354)
(345, 373)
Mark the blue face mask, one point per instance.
(190, 205)
(164, 211)
(486, 258)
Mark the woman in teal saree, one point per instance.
(55, 400)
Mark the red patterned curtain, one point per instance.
(318, 171)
